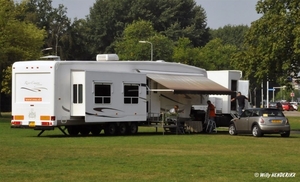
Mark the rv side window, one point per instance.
(77, 93)
(131, 94)
(102, 93)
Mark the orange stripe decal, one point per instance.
(36, 99)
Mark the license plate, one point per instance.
(276, 121)
(31, 124)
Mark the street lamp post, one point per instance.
(147, 42)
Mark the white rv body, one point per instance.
(230, 79)
(48, 94)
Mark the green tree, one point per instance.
(184, 52)
(216, 56)
(20, 40)
(233, 35)
(272, 46)
(54, 21)
(129, 48)
(174, 19)
(76, 47)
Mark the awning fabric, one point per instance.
(185, 84)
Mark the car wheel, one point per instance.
(256, 131)
(232, 130)
(285, 134)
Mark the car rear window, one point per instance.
(270, 113)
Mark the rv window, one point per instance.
(77, 93)
(131, 94)
(80, 94)
(102, 93)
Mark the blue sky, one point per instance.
(219, 12)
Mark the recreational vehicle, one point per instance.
(86, 97)
(231, 79)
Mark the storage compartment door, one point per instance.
(78, 93)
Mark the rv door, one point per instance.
(77, 93)
(243, 87)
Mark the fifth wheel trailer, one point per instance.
(111, 95)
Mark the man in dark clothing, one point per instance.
(241, 102)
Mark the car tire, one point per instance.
(232, 129)
(285, 134)
(256, 131)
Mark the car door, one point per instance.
(253, 118)
(242, 123)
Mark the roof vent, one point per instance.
(107, 57)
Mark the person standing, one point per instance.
(241, 102)
(174, 110)
(211, 111)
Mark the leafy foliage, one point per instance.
(185, 53)
(54, 21)
(233, 35)
(129, 48)
(272, 45)
(217, 56)
(20, 40)
(174, 19)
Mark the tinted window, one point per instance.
(131, 94)
(271, 113)
(102, 93)
(246, 113)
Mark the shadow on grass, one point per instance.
(138, 134)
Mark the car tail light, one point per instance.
(287, 121)
(261, 120)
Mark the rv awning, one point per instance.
(184, 84)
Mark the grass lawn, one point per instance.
(149, 156)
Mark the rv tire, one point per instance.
(110, 129)
(96, 130)
(73, 130)
(133, 128)
(84, 130)
(123, 128)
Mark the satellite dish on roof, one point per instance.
(51, 57)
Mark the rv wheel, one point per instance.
(84, 130)
(96, 130)
(123, 128)
(110, 129)
(133, 128)
(73, 130)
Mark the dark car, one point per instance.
(275, 105)
(260, 121)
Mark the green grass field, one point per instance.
(149, 156)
